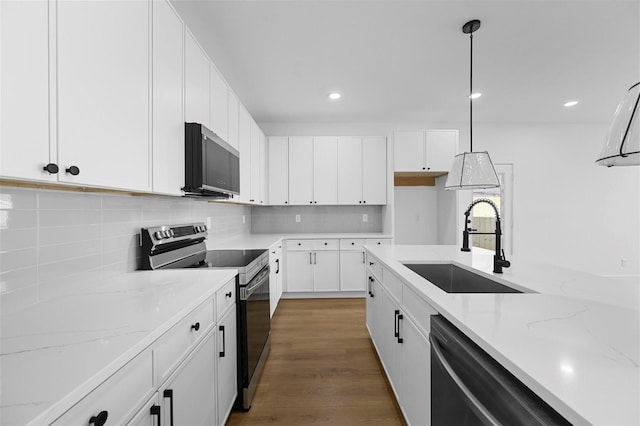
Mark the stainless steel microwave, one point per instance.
(212, 166)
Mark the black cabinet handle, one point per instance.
(396, 324)
(195, 326)
(100, 419)
(299, 244)
(364, 202)
(310, 202)
(325, 244)
(73, 170)
(155, 411)
(278, 266)
(400, 318)
(224, 342)
(423, 168)
(370, 263)
(286, 202)
(315, 202)
(360, 202)
(52, 168)
(228, 294)
(168, 393)
(252, 201)
(353, 244)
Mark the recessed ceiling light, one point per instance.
(335, 96)
(571, 103)
(475, 95)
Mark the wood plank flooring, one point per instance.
(322, 369)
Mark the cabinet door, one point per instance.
(255, 163)
(149, 414)
(244, 142)
(278, 149)
(325, 170)
(350, 170)
(279, 279)
(103, 98)
(326, 271)
(389, 346)
(273, 294)
(189, 396)
(408, 149)
(168, 116)
(352, 271)
(24, 84)
(299, 273)
(300, 170)
(263, 169)
(219, 99)
(374, 170)
(227, 388)
(441, 148)
(196, 83)
(415, 365)
(233, 119)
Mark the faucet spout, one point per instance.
(499, 261)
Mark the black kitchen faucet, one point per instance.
(499, 260)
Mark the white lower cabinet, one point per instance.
(352, 270)
(399, 330)
(226, 366)
(313, 266)
(275, 276)
(189, 396)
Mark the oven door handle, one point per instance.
(486, 417)
(248, 291)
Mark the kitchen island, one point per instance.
(571, 337)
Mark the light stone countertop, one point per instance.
(574, 340)
(54, 353)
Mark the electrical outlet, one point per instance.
(365, 218)
(623, 262)
(297, 218)
(244, 219)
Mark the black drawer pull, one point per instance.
(100, 419)
(224, 342)
(195, 326)
(168, 393)
(73, 170)
(52, 168)
(155, 411)
(228, 294)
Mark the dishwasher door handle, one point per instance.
(486, 416)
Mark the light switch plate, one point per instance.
(297, 218)
(365, 218)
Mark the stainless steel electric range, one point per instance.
(183, 246)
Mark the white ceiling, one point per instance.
(408, 61)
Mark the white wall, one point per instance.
(416, 215)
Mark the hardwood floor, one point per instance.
(322, 369)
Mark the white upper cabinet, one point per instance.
(219, 104)
(103, 93)
(374, 170)
(24, 138)
(350, 170)
(441, 146)
(244, 145)
(429, 151)
(255, 163)
(325, 170)
(301, 170)
(234, 112)
(263, 169)
(196, 83)
(362, 170)
(168, 115)
(278, 166)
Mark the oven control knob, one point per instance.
(171, 233)
(158, 235)
(204, 228)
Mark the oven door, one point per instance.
(255, 322)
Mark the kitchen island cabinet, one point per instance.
(568, 337)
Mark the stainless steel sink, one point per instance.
(453, 279)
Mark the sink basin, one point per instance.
(454, 279)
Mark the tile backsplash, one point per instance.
(55, 240)
(316, 219)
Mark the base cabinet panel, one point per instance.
(415, 372)
(352, 271)
(227, 390)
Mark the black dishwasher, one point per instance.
(469, 387)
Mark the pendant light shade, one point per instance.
(471, 170)
(622, 145)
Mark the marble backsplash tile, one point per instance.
(55, 240)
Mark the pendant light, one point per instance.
(622, 145)
(471, 170)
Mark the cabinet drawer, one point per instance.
(374, 267)
(304, 245)
(173, 346)
(418, 309)
(326, 244)
(120, 395)
(354, 244)
(381, 242)
(225, 297)
(392, 284)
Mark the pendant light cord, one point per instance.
(471, 93)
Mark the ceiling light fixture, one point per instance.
(622, 145)
(475, 95)
(334, 96)
(472, 170)
(571, 103)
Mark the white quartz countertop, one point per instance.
(574, 339)
(264, 241)
(53, 353)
